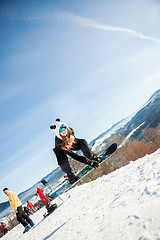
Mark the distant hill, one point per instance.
(148, 116)
(53, 178)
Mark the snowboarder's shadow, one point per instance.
(47, 237)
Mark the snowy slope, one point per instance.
(124, 205)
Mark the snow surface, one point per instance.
(123, 205)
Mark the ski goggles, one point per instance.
(62, 128)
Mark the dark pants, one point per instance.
(22, 217)
(63, 159)
(5, 231)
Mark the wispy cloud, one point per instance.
(21, 167)
(125, 30)
(61, 15)
(9, 91)
(152, 78)
(94, 24)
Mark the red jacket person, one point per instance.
(43, 197)
(29, 205)
(4, 228)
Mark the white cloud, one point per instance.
(65, 16)
(9, 90)
(152, 78)
(92, 23)
(23, 166)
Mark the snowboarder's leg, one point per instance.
(84, 147)
(46, 199)
(64, 164)
(83, 159)
(26, 217)
(77, 157)
(62, 160)
(88, 157)
(5, 231)
(44, 202)
(21, 217)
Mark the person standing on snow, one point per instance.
(4, 228)
(30, 206)
(16, 205)
(65, 144)
(43, 197)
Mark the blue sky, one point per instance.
(90, 63)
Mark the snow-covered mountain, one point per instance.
(99, 143)
(154, 95)
(122, 205)
(148, 116)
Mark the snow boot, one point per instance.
(32, 224)
(27, 228)
(72, 178)
(51, 208)
(48, 204)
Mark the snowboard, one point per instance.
(109, 151)
(65, 186)
(103, 156)
(50, 209)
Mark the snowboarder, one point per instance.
(65, 144)
(4, 228)
(16, 205)
(43, 197)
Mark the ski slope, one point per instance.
(124, 205)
